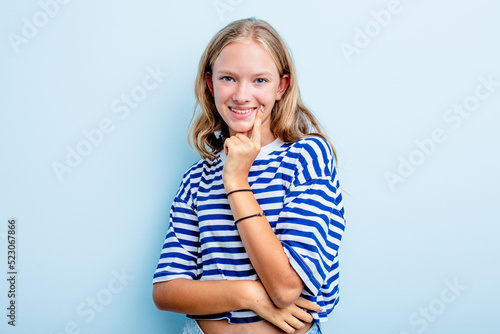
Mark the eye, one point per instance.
(227, 79)
(261, 80)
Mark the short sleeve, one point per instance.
(180, 252)
(311, 224)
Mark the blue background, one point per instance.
(407, 241)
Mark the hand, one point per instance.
(241, 152)
(288, 319)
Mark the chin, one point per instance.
(241, 128)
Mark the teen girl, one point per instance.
(256, 224)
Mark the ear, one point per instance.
(208, 80)
(283, 86)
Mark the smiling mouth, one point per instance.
(242, 111)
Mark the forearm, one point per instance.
(213, 297)
(202, 297)
(265, 251)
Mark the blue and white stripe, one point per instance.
(296, 185)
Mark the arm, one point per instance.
(201, 297)
(211, 297)
(178, 288)
(264, 249)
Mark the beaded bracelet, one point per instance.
(235, 191)
(260, 214)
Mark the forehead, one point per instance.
(245, 57)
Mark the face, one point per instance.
(245, 77)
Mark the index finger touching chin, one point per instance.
(257, 126)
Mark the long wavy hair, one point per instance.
(290, 118)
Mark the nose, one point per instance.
(242, 93)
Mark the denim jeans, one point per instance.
(192, 327)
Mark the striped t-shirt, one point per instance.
(296, 185)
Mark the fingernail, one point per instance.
(261, 109)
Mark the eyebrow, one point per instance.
(260, 74)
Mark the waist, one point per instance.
(264, 327)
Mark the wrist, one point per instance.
(235, 184)
(248, 294)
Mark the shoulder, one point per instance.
(312, 155)
(195, 169)
(316, 146)
(192, 177)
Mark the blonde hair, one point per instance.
(290, 118)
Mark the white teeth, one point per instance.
(246, 111)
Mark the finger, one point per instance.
(241, 138)
(227, 144)
(245, 142)
(302, 315)
(307, 304)
(285, 327)
(295, 323)
(257, 127)
(235, 142)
